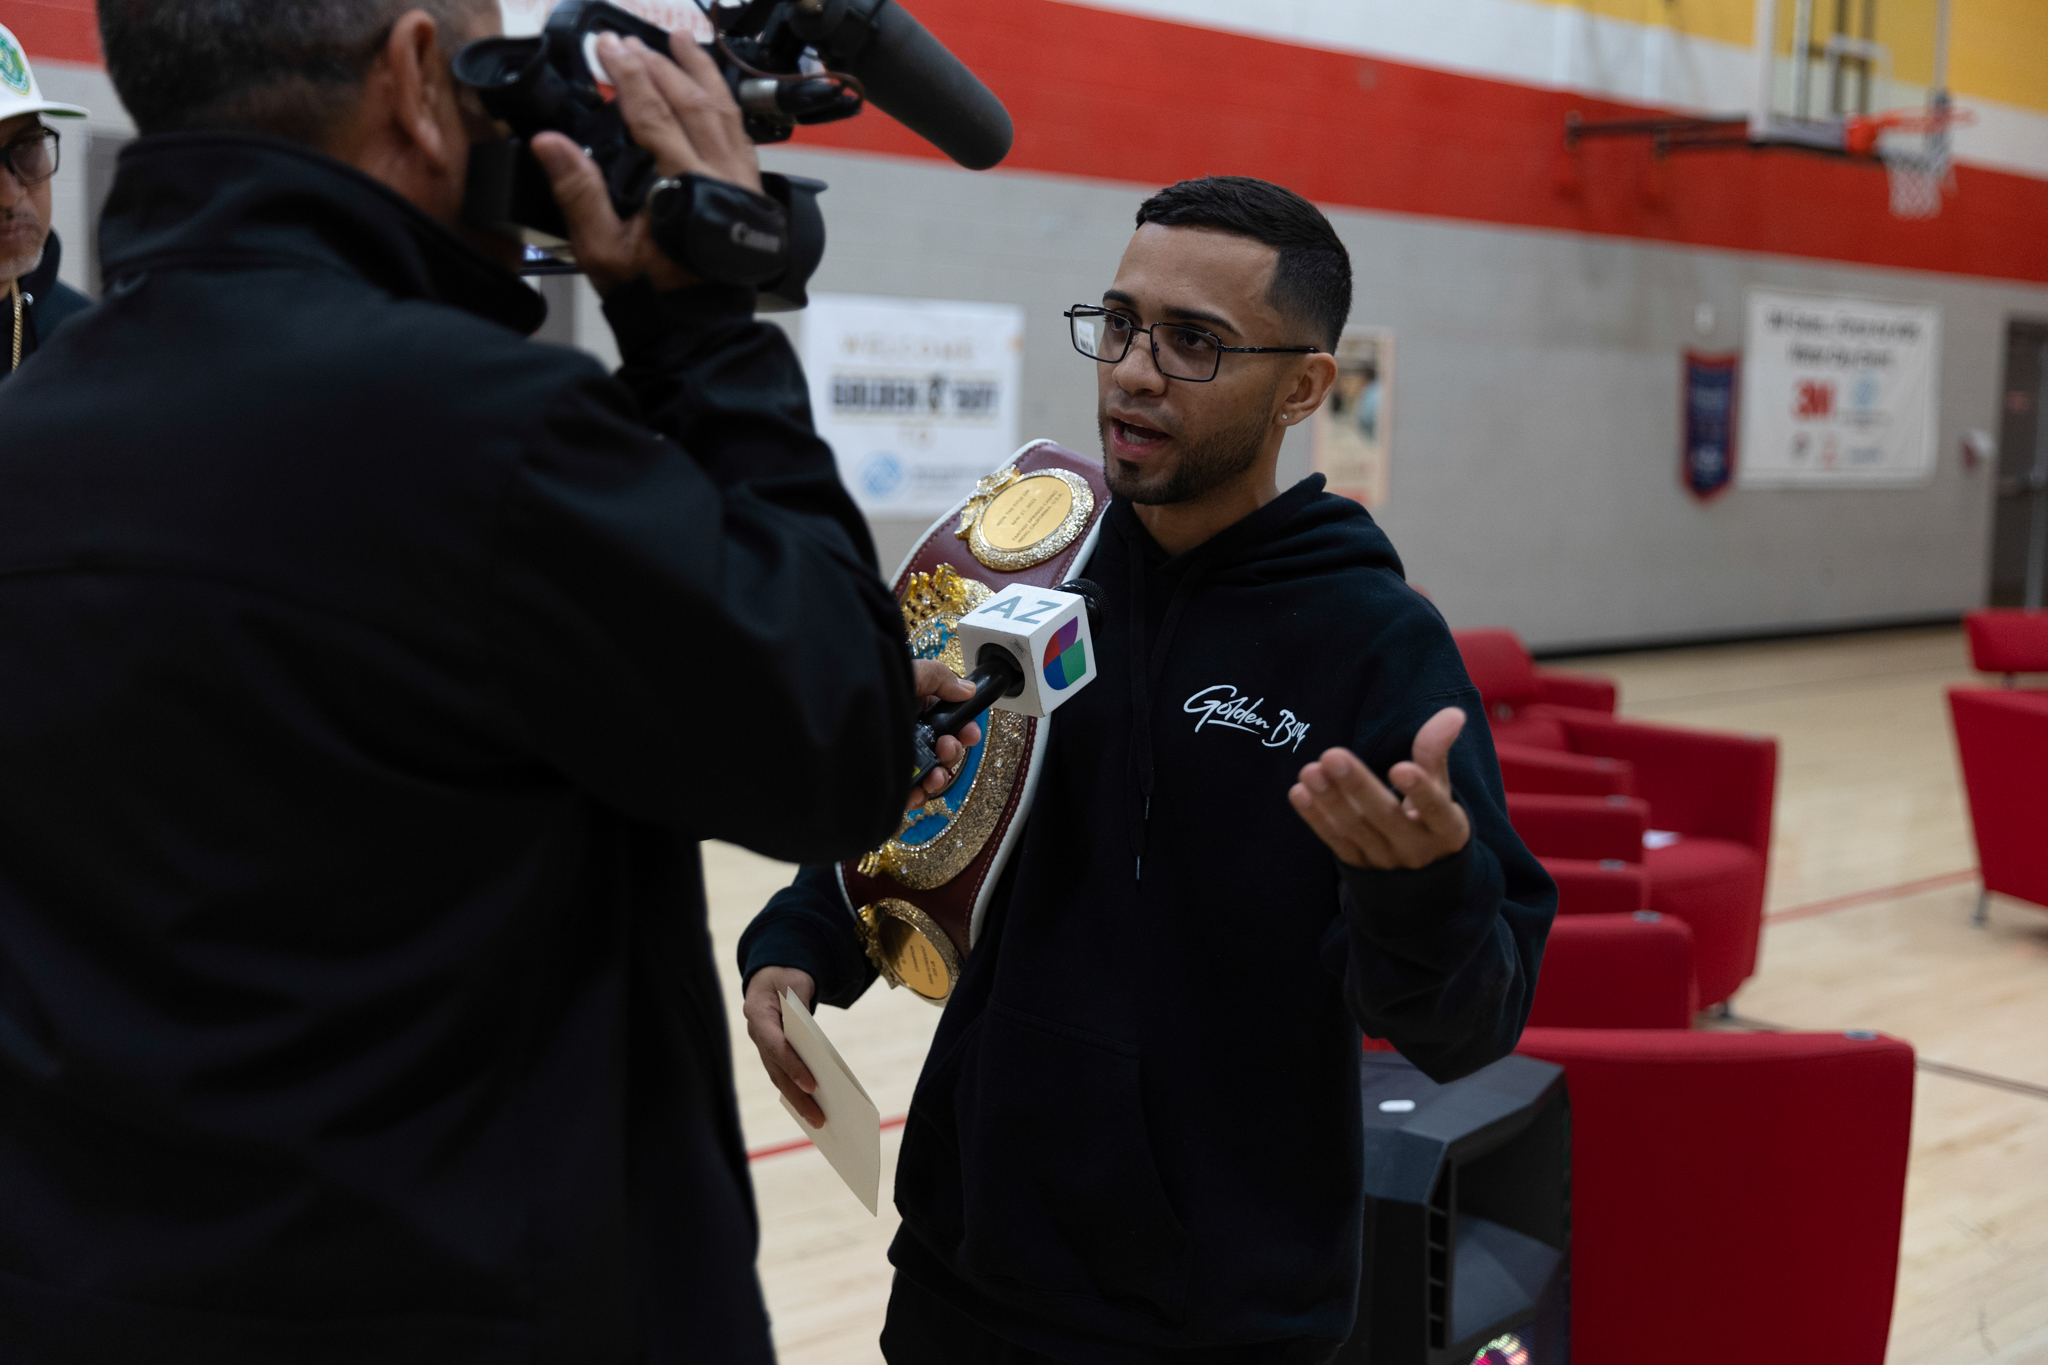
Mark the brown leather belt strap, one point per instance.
(919, 897)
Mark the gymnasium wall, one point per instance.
(1540, 300)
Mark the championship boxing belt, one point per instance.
(919, 899)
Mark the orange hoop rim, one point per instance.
(1860, 131)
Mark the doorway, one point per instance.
(2019, 535)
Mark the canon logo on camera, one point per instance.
(755, 240)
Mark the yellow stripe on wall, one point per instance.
(1724, 21)
(1998, 49)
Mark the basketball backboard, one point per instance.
(1823, 64)
(1856, 78)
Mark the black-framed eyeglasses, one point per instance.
(1180, 351)
(32, 156)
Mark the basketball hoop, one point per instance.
(1918, 176)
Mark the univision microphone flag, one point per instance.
(1066, 657)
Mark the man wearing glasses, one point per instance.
(33, 303)
(1276, 819)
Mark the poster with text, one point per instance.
(1351, 436)
(918, 398)
(1838, 392)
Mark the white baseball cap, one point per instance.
(19, 93)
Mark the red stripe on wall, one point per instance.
(1120, 97)
(1125, 98)
(64, 30)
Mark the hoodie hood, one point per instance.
(1299, 534)
(50, 303)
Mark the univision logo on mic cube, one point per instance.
(1045, 632)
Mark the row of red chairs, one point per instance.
(1736, 1196)
(1630, 815)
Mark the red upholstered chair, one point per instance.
(2002, 738)
(1735, 1196)
(1709, 801)
(2008, 642)
(1616, 971)
(1508, 679)
(1593, 846)
(1521, 700)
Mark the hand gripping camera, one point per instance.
(786, 61)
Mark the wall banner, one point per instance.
(918, 398)
(1840, 392)
(1351, 440)
(1706, 449)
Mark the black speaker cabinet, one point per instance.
(1468, 1217)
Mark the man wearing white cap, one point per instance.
(35, 305)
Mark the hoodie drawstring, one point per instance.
(1145, 665)
(1141, 716)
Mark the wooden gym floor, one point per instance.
(1867, 927)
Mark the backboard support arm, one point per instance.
(1764, 92)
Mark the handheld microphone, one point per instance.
(1032, 649)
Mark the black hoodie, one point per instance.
(49, 304)
(1137, 1134)
(363, 703)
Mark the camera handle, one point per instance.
(719, 231)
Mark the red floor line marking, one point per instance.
(1883, 893)
(798, 1144)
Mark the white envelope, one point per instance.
(852, 1136)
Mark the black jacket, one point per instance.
(1137, 1135)
(50, 304)
(370, 675)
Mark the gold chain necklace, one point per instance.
(14, 288)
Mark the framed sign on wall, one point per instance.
(1838, 392)
(918, 398)
(1351, 439)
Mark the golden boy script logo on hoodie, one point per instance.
(1223, 705)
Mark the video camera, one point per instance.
(786, 61)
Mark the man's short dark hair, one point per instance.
(1311, 281)
(290, 68)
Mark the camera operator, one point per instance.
(371, 674)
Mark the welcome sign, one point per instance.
(918, 398)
